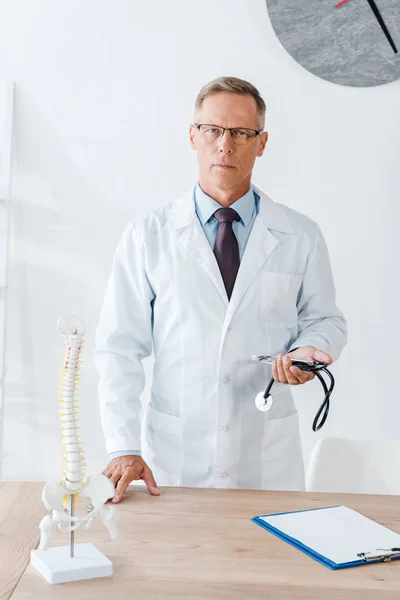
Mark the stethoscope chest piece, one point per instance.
(263, 404)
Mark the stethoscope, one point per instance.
(264, 400)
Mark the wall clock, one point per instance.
(349, 42)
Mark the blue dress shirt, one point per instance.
(247, 208)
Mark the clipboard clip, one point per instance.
(382, 554)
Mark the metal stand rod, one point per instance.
(71, 533)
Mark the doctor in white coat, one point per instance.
(205, 296)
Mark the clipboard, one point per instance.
(336, 536)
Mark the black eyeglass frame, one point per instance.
(230, 129)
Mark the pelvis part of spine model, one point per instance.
(61, 496)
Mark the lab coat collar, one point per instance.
(261, 244)
(273, 216)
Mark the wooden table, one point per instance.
(194, 544)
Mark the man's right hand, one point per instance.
(124, 469)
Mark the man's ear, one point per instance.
(192, 137)
(263, 140)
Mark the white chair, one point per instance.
(354, 466)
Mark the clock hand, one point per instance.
(381, 22)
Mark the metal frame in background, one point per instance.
(6, 151)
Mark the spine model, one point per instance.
(74, 466)
(61, 496)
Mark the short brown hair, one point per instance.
(232, 85)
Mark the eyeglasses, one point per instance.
(240, 135)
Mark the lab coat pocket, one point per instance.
(282, 459)
(163, 437)
(278, 299)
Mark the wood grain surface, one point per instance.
(200, 543)
(21, 509)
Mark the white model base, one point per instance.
(56, 565)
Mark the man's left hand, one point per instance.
(284, 372)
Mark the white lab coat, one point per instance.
(166, 294)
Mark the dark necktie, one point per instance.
(226, 247)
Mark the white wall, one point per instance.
(104, 96)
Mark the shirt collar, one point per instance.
(206, 206)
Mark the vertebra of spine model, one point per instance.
(97, 487)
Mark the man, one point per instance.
(206, 282)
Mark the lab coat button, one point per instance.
(229, 328)
(225, 429)
(224, 475)
(226, 379)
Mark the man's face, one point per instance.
(227, 110)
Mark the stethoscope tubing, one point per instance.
(315, 367)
